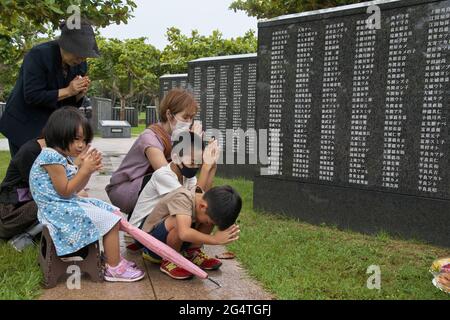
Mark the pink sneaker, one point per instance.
(123, 273)
(129, 263)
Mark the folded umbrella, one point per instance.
(161, 249)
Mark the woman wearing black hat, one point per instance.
(53, 75)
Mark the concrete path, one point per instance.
(108, 146)
(236, 284)
(4, 145)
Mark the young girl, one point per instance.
(75, 222)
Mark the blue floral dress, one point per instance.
(73, 222)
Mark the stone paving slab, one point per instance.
(111, 146)
(235, 283)
(89, 290)
(117, 146)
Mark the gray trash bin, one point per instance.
(151, 116)
(115, 129)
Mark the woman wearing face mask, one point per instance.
(152, 149)
(189, 156)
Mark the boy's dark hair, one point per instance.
(196, 141)
(62, 128)
(224, 206)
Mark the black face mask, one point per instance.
(188, 172)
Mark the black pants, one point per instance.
(15, 220)
(13, 149)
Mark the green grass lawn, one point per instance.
(136, 131)
(4, 162)
(295, 260)
(20, 276)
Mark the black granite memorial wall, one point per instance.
(362, 115)
(225, 88)
(151, 115)
(171, 81)
(131, 115)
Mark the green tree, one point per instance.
(273, 8)
(14, 43)
(183, 48)
(127, 69)
(48, 13)
(26, 23)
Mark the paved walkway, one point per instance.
(155, 286)
(4, 145)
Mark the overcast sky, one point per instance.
(153, 17)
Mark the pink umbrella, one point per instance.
(161, 249)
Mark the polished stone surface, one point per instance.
(359, 108)
(169, 82)
(225, 88)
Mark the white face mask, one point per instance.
(180, 127)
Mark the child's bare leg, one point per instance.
(203, 228)
(173, 240)
(112, 246)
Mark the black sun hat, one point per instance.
(79, 41)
